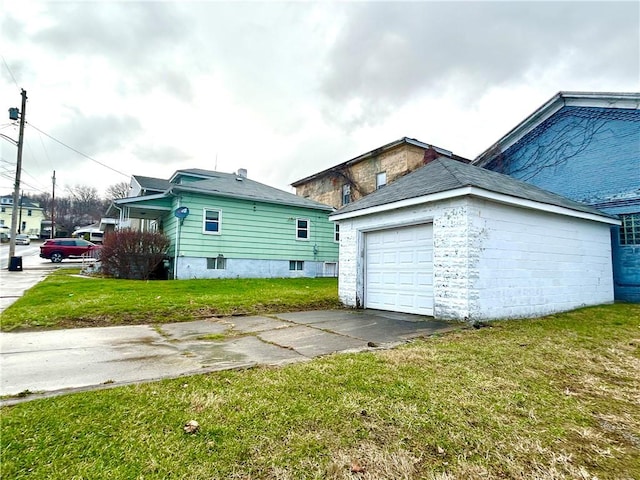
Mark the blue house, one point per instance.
(584, 146)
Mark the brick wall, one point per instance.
(492, 260)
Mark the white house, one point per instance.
(460, 242)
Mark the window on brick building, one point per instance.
(381, 180)
(630, 229)
(346, 194)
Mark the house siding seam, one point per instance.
(254, 230)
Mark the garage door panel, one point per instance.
(399, 269)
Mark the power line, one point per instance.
(78, 151)
(10, 72)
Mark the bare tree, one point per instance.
(117, 190)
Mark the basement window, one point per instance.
(630, 229)
(217, 263)
(296, 265)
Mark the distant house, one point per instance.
(351, 180)
(30, 215)
(225, 225)
(584, 146)
(461, 242)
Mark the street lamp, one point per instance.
(15, 264)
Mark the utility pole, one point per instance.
(53, 206)
(20, 219)
(16, 188)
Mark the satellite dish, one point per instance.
(181, 212)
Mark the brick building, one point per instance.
(584, 146)
(351, 180)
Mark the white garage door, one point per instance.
(399, 270)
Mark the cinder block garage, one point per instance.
(459, 242)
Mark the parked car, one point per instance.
(57, 249)
(22, 239)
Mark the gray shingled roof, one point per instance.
(443, 174)
(232, 185)
(151, 183)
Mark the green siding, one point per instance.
(251, 230)
(164, 202)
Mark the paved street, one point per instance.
(13, 284)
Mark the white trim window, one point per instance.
(303, 229)
(296, 265)
(211, 221)
(381, 180)
(217, 263)
(336, 233)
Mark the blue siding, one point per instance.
(591, 155)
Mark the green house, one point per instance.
(225, 225)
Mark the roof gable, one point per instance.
(192, 174)
(602, 100)
(378, 151)
(151, 183)
(443, 175)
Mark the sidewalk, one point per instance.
(60, 361)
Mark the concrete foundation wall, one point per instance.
(194, 267)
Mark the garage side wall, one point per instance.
(532, 263)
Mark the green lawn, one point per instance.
(65, 300)
(550, 398)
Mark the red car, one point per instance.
(57, 249)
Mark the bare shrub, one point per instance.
(133, 254)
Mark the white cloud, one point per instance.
(288, 89)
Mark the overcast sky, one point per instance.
(285, 89)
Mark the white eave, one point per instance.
(478, 193)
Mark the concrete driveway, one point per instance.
(58, 361)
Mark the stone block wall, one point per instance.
(396, 162)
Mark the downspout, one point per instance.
(120, 220)
(177, 242)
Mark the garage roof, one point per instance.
(443, 175)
